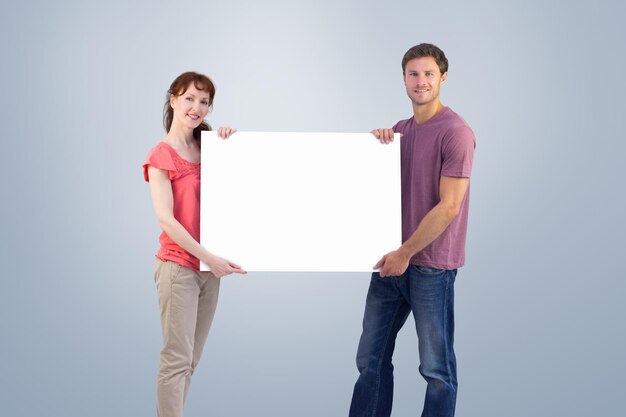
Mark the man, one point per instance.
(437, 149)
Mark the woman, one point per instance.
(187, 297)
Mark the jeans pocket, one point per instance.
(424, 270)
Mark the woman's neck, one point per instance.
(179, 135)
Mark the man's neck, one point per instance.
(422, 114)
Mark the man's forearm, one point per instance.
(429, 229)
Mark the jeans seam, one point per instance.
(380, 362)
(446, 329)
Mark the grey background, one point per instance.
(540, 303)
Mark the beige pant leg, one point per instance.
(187, 302)
(207, 302)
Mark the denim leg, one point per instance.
(431, 295)
(386, 310)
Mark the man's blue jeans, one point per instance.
(429, 294)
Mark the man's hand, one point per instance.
(383, 135)
(393, 264)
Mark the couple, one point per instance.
(437, 148)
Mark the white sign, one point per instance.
(279, 201)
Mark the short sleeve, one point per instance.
(399, 127)
(159, 157)
(458, 153)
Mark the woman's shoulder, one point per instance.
(162, 157)
(161, 152)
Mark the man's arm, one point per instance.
(451, 193)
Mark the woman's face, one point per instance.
(191, 107)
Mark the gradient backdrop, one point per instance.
(540, 304)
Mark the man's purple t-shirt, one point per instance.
(442, 146)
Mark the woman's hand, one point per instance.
(221, 267)
(224, 132)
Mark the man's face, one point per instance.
(423, 79)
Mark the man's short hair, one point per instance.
(424, 50)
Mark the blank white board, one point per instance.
(282, 201)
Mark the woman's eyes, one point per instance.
(203, 102)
